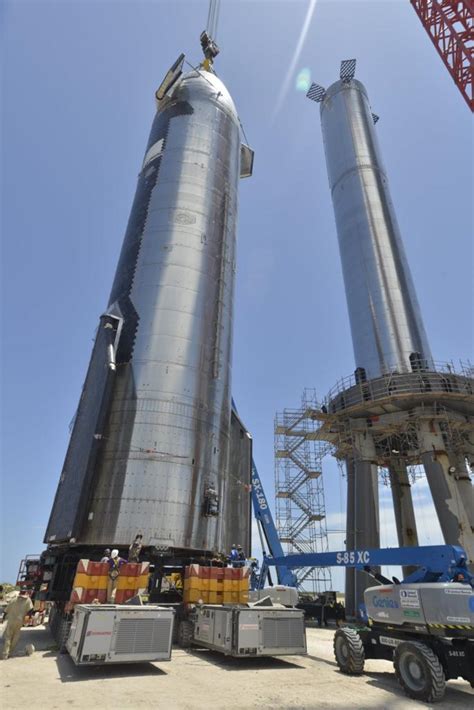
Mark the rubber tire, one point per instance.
(175, 639)
(63, 633)
(185, 633)
(352, 662)
(434, 681)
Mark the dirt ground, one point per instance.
(202, 679)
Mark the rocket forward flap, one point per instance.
(246, 161)
(316, 93)
(171, 77)
(347, 71)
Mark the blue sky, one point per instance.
(78, 100)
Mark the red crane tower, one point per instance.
(450, 25)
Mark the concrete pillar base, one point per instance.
(448, 503)
(362, 526)
(403, 508)
(464, 484)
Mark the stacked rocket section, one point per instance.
(391, 350)
(386, 325)
(150, 449)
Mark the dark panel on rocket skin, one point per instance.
(85, 454)
(239, 484)
(111, 466)
(136, 224)
(73, 489)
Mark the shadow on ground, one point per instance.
(228, 663)
(454, 698)
(44, 644)
(320, 659)
(70, 673)
(39, 636)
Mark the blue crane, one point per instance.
(434, 563)
(268, 532)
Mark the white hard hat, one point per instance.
(114, 554)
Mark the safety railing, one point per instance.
(442, 380)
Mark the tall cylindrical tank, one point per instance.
(160, 465)
(387, 329)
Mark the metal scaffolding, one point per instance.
(299, 488)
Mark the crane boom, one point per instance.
(267, 526)
(450, 26)
(435, 563)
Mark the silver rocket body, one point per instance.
(384, 314)
(164, 440)
(388, 338)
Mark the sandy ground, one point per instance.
(202, 679)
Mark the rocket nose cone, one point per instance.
(340, 85)
(200, 85)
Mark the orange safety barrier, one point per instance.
(91, 580)
(216, 585)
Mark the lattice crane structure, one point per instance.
(450, 26)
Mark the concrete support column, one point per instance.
(362, 522)
(445, 491)
(403, 507)
(464, 484)
(350, 602)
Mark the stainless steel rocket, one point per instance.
(150, 447)
(386, 325)
(393, 358)
(387, 329)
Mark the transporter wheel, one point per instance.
(185, 633)
(419, 671)
(52, 620)
(63, 632)
(175, 638)
(349, 651)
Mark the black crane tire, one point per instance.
(419, 671)
(185, 633)
(349, 651)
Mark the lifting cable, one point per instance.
(211, 29)
(213, 18)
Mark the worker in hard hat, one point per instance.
(254, 573)
(234, 556)
(106, 556)
(115, 562)
(241, 556)
(135, 549)
(15, 613)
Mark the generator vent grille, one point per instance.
(143, 636)
(283, 633)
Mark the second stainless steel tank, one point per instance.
(385, 318)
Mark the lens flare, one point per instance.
(294, 61)
(303, 80)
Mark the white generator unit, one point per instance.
(250, 630)
(112, 633)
